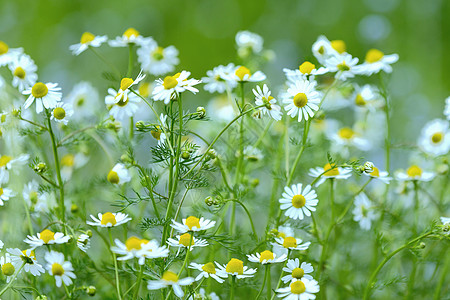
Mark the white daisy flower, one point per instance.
(435, 137)
(186, 240)
(298, 202)
(27, 256)
(193, 224)
(266, 257)
(139, 248)
(329, 171)
(10, 163)
(157, 60)
(262, 96)
(297, 271)
(167, 89)
(59, 268)
(343, 65)
(306, 71)
(235, 267)
(70, 162)
(381, 175)
(130, 36)
(46, 95)
(169, 278)
(208, 270)
(447, 108)
(84, 242)
(125, 85)
(87, 40)
(375, 62)
(119, 174)
(124, 108)
(364, 211)
(158, 133)
(217, 79)
(346, 137)
(34, 198)
(246, 40)
(46, 237)
(243, 74)
(299, 290)
(84, 99)
(8, 268)
(367, 97)
(302, 99)
(414, 172)
(252, 154)
(62, 112)
(109, 219)
(323, 49)
(291, 243)
(5, 194)
(7, 54)
(23, 70)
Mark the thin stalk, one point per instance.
(33, 123)
(241, 137)
(281, 273)
(437, 291)
(249, 216)
(264, 283)
(269, 282)
(179, 209)
(116, 270)
(150, 190)
(61, 142)
(138, 284)
(261, 136)
(188, 251)
(12, 280)
(233, 283)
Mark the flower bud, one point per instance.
(140, 125)
(209, 201)
(74, 208)
(368, 167)
(8, 269)
(126, 159)
(185, 155)
(422, 245)
(89, 233)
(255, 182)
(41, 297)
(91, 290)
(40, 167)
(201, 111)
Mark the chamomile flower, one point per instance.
(70, 162)
(18, 257)
(263, 96)
(299, 290)
(7, 54)
(125, 85)
(344, 66)
(5, 195)
(193, 224)
(302, 99)
(329, 171)
(381, 175)
(375, 62)
(323, 49)
(62, 112)
(87, 40)
(306, 71)
(243, 74)
(167, 89)
(249, 41)
(169, 278)
(435, 137)
(118, 175)
(208, 270)
(83, 242)
(46, 237)
(186, 240)
(297, 271)
(157, 60)
(235, 267)
(364, 211)
(8, 268)
(109, 219)
(8, 163)
(158, 133)
(367, 97)
(23, 70)
(130, 36)
(46, 95)
(59, 268)
(36, 200)
(346, 137)
(217, 79)
(447, 108)
(266, 257)
(125, 107)
(139, 248)
(414, 172)
(298, 202)
(291, 243)
(84, 100)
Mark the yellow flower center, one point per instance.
(290, 242)
(87, 37)
(437, 137)
(19, 72)
(192, 221)
(133, 243)
(374, 55)
(307, 67)
(235, 266)
(170, 82)
(113, 177)
(298, 273)
(359, 100)
(343, 66)
(209, 268)
(33, 197)
(122, 102)
(144, 89)
(39, 90)
(1, 191)
(339, 46)
(170, 276)
(125, 83)
(57, 269)
(158, 53)
(32, 255)
(68, 160)
(3, 48)
(300, 100)
(330, 171)
(321, 50)
(298, 201)
(414, 171)
(375, 172)
(108, 218)
(131, 32)
(59, 113)
(242, 71)
(346, 133)
(266, 255)
(47, 235)
(4, 160)
(185, 240)
(156, 134)
(8, 269)
(297, 287)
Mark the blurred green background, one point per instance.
(204, 30)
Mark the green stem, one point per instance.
(249, 217)
(437, 292)
(269, 282)
(281, 273)
(130, 59)
(138, 284)
(12, 279)
(263, 134)
(61, 142)
(67, 291)
(264, 282)
(241, 138)
(188, 251)
(150, 190)
(233, 283)
(116, 270)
